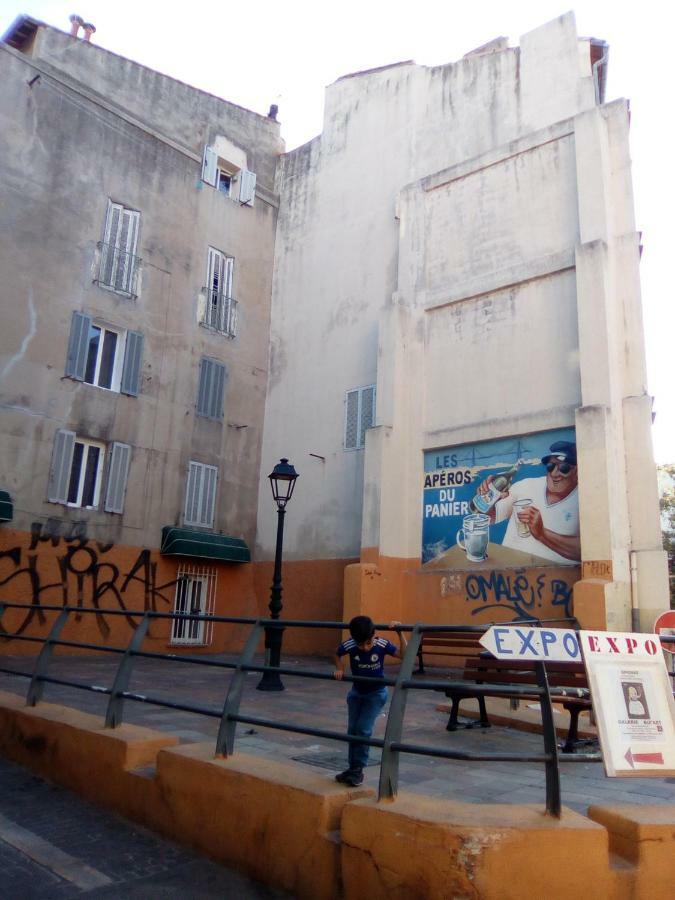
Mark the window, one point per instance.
(119, 263)
(221, 308)
(359, 416)
(104, 356)
(195, 595)
(200, 495)
(229, 179)
(211, 390)
(77, 472)
(224, 182)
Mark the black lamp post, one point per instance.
(282, 480)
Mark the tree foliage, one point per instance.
(666, 476)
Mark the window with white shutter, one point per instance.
(119, 262)
(211, 389)
(359, 416)
(200, 495)
(220, 312)
(227, 178)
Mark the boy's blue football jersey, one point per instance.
(369, 663)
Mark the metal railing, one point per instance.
(220, 313)
(118, 269)
(392, 744)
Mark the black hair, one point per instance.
(361, 629)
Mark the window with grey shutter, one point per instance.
(352, 421)
(118, 471)
(62, 461)
(210, 166)
(133, 359)
(359, 416)
(367, 417)
(211, 390)
(78, 346)
(200, 495)
(247, 187)
(118, 252)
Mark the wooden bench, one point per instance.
(569, 677)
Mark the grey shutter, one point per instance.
(125, 275)
(208, 496)
(210, 166)
(62, 460)
(367, 413)
(247, 187)
(352, 420)
(118, 471)
(78, 344)
(133, 359)
(211, 391)
(192, 492)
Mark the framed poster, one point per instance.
(632, 701)
(511, 502)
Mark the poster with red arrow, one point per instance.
(633, 702)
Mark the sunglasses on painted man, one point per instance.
(564, 468)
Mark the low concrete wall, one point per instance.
(298, 830)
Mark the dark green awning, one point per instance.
(186, 542)
(6, 507)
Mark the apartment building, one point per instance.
(139, 222)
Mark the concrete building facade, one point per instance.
(439, 292)
(456, 287)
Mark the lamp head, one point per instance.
(282, 480)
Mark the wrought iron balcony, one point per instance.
(220, 312)
(118, 270)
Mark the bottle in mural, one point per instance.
(483, 503)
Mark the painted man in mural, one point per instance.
(543, 513)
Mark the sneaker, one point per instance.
(344, 777)
(354, 778)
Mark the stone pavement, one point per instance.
(321, 704)
(54, 846)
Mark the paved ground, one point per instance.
(320, 704)
(54, 846)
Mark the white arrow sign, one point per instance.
(525, 642)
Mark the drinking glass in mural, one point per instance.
(522, 528)
(473, 537)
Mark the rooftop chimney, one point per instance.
(76, 22)
(89, 29)
(272, 114)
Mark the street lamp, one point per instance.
(282, 481)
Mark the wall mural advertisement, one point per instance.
(511, 502)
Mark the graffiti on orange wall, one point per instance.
(82, 572)
(520, 593)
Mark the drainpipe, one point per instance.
(634, 611)
(89, 29)
(76, 22)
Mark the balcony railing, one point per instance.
(220, 312)
(118, 270)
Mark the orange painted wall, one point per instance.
(41, 571)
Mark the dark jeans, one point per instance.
(363, 709)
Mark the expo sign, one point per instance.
(540, 644)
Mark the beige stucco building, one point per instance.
(440, 288)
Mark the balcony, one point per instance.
(220, 312)
(118, 270)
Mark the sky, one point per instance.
(287, 52)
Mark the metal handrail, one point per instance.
(392, 744)
(220, 312)
(118, 269)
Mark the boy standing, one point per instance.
(365, 700)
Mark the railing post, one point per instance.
(226, 732)
(390, 758)
(553, 804)
(113, 714)
(36, 686)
